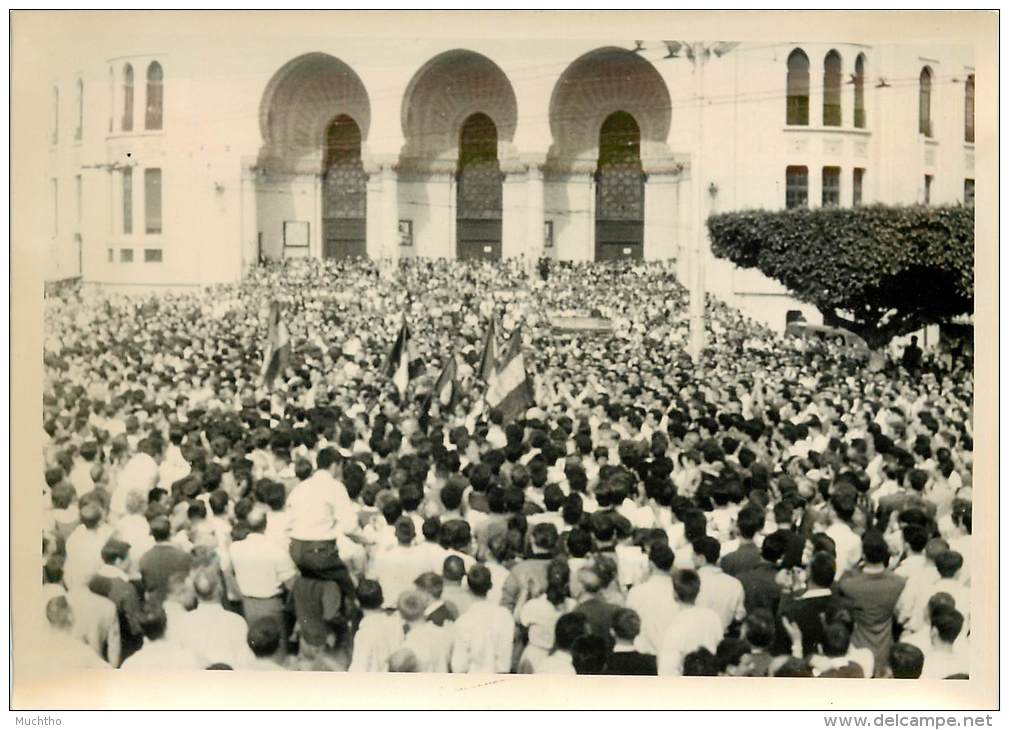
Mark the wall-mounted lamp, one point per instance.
(218, 187)
(712, 189)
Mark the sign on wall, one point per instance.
(406, 233)
(295, 234)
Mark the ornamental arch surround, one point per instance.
(300, 102)
(443, 94)
(591, 89)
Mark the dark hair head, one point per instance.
(626, 624)
(686, 585)
(453, 569)
(875, 549)
(568, 628)
(700, 663)
(822, 569)
(264, 637)
(662, 557)
(161, 528)
(369, 594)
(948, 622)
(948, 563)
(906, 661)
(153, 621)
(836, 639)
(589, 654)
(758, 628)
(750, 521)
(479, 580)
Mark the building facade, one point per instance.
(172, 168)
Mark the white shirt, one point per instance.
(942, 663)
(656, 606)
(215, 635)
(396, 569)
(483, 640)
(432, 645)
(261, 568)
(722, 593)
(377, 638)
(694, 628)
(319, 508)
(161, 656)
(849, 547)
(84, 554)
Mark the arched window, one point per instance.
(925, 102)
(968, 112)
(859, 80)
(112, 96)
(155, 96)
(79, 132)
(127, 125)
(832, 90)
(56, 115)
(797, 105)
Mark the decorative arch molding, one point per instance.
(298, 105)
(442, 95)
(596, 85)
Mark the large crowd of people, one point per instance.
(778, 508)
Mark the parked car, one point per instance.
(836, 335)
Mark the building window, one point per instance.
(111, 253)
(968, 112)
(796, 187)
(127, 125)
(925, 102)
(859, 80)
(832, 90)
(928, 189)
(112, 97)
(128, 200)
(857, 176)
(831, 192)
(56, 115)
(54, 188)
(152, 255)
(968, 192)
(152, 200)
(155, 96)
(79, 132)
(797, 104)
(79, 197)
(126, 255)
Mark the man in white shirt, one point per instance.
(722, 593)
(159, 654)
(140, 474)
(96, 623)
(58, 648)
(654, 601)
(397, 567)
(84, 546)
(262, 571)
(321, 513)
(430, 643)
(215, 635)
(485, 633)
(943, 659)
(848, 545)
(694, 627)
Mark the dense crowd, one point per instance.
(780, 508)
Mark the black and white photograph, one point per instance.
(468, 352)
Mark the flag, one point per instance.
(403, 364)
(509, 389)
(488, 358)
(444, 389)
(278, 346)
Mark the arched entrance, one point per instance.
(459, 118)
(610, 119)
(310, 185)
(478, 191)
(344, 192)
(620, 190)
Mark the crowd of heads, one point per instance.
(788, 465)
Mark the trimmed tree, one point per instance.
(880, 271)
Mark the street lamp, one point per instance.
(698, 53)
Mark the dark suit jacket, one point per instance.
(631, 663)
(741, 561)
(808, 614)
(760, 589)
(600, 615)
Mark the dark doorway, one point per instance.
(478, 198)
(344, 192)
(620, 190)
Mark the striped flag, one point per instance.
(402, 365)
(510, 389)
(488, 358)
(444, 392)
(278, 346)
